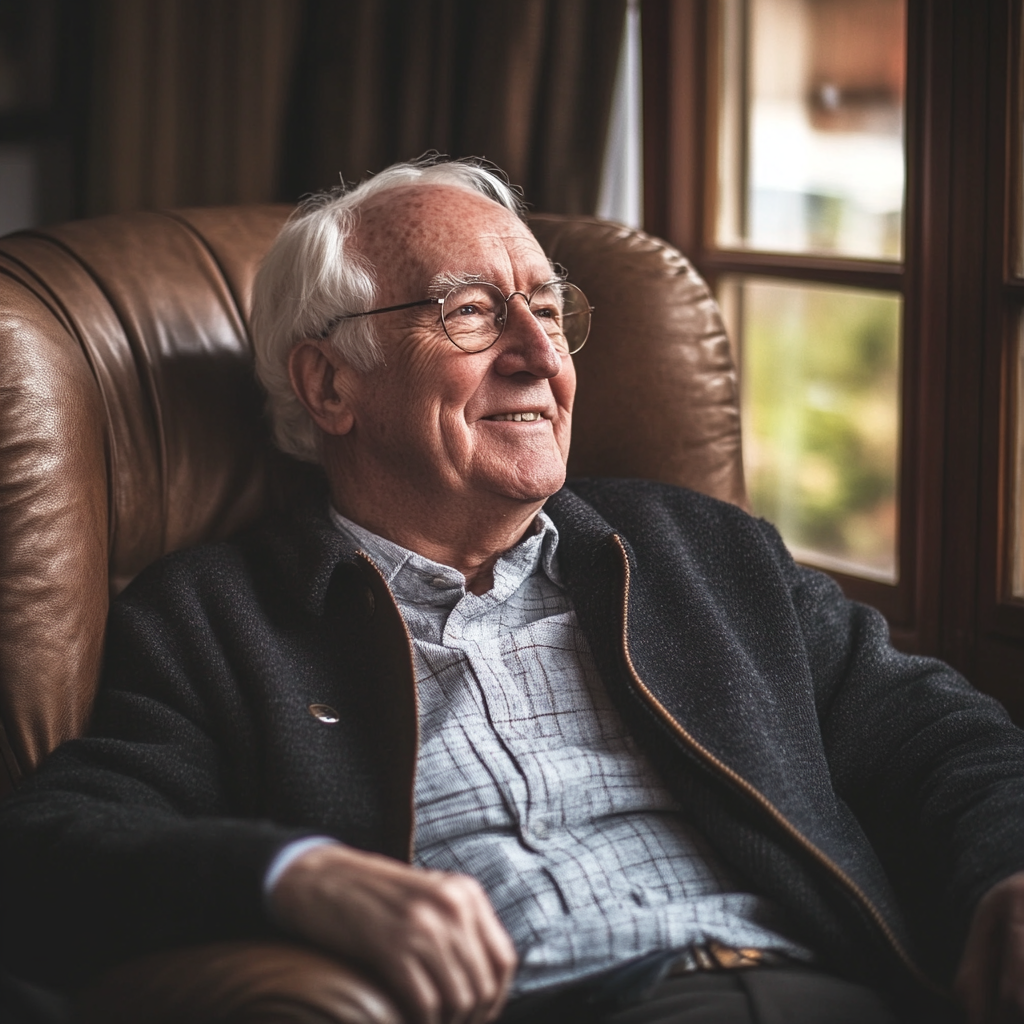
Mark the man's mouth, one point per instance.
(516, 417)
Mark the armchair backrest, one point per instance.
(131, 425)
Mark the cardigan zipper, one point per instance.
(755, 794)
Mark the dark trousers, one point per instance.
(758, 995)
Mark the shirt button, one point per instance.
(539, 829)
(440, 582)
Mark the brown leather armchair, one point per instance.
(131, 425)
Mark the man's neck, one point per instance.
(469, 539)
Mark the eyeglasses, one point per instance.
(474, 314)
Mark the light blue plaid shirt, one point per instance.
(528, 780)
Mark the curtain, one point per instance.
(525, 83)
(189, 100)
(224, 101)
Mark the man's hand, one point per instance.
(433, 938)
(990, 980)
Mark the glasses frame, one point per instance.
(440, 302)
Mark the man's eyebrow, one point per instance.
(441, 284)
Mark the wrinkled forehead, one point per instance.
(414, 234)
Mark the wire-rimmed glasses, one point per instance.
(474, 314)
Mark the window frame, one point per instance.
(999, 643)
(960, 302)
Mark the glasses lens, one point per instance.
(473, 316)
(563, 311)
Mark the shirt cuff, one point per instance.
(284, 858)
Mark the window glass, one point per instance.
(810, 143)
(820, 378)
(620, 196)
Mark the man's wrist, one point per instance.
(283, 859)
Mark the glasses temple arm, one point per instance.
(331, 324)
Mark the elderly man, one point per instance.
(601, 750)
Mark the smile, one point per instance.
(517, 417)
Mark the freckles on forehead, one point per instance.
(391, 237)
(410, 235)
(398, 220)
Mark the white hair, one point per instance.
(313, 274)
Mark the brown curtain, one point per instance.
(525, 83)
(189, 101)
(223, 101)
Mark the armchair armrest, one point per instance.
(235, 983)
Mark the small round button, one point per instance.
(539, 829)
(324, 713)
(440, 582)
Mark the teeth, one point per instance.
(517, 417)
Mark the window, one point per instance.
(847, 175)
(621, 193)
(819, 376)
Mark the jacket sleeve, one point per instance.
(139, 836)
(933, 769)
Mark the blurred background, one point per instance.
(811, 161)
(115, 105)
(846, 174)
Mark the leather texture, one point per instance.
(131, 425)
(235, 983)
(657, 395)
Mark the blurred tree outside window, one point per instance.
(849, 177)
(811, 161)
(820, 381)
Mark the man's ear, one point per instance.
(324, 384)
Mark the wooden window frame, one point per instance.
(960, 303)
(999, 634)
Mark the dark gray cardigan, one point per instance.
(873, 795)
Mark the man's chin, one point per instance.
(531, 488)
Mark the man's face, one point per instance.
(435, 417)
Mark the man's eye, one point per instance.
(544, 312)
(467, 309)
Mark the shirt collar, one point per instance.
(408, 573)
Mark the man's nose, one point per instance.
(524, 345)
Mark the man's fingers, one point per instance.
(990, 979)
(1011, 976)
(432, 937)
(973, 987)
(413, 987)
(498, 945)
(500, 952)
(498, 959)
(474, 928)
(425, 969)
(446, 952)
(502, 957)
